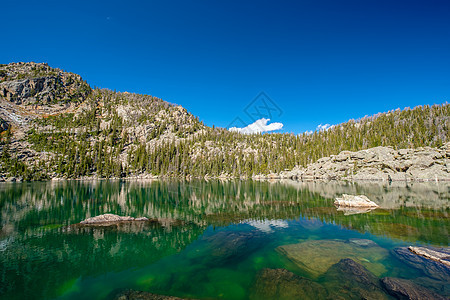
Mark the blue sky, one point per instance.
(318, 61)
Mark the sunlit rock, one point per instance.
(317, 256)
(110, 218)
(439, 255)
(354, 201)
(430, 267)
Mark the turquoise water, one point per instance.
(210, 240)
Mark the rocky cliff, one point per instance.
(37, 83)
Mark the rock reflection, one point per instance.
(417, 211)
(37, 222)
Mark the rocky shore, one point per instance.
(378, 164)
(374, 164)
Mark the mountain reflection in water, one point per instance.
(39, 244)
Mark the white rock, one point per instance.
(354, 201)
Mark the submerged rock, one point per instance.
(316, 257)
(139, 295)
(430, 267)
(437, 286)
(405, 289)
(350, 280)
(226, 247)
(110, 218)
(282, 284)
(439, 255)
(354, 201)
(363, 242)
(229, 245)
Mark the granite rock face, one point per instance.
(37, 83)
(379, 163)
(405, 289)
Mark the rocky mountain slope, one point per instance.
(53, 125)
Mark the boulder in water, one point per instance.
(430, 267)
(440, 255)
(317, 256)
(405, 289)
(354, 201)
(226, 246)
(350, 280)
(283, 284)
(110, 218)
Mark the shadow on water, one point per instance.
(210, 238)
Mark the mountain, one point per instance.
(54, 125)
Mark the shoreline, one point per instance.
(270, 177)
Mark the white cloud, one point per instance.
(258, 126)
(324, 127)
(267, 225)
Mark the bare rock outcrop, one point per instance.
(379, 163)
(37, 83)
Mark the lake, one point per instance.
(213, 239)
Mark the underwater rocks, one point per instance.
(405, 289)
(110, 218)
(354, 201)
(439, 255)
(432, 268)
(363, 242)
(282, 284)
(317, 256)
(350, 280)
(229, 245)
(139, 295)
